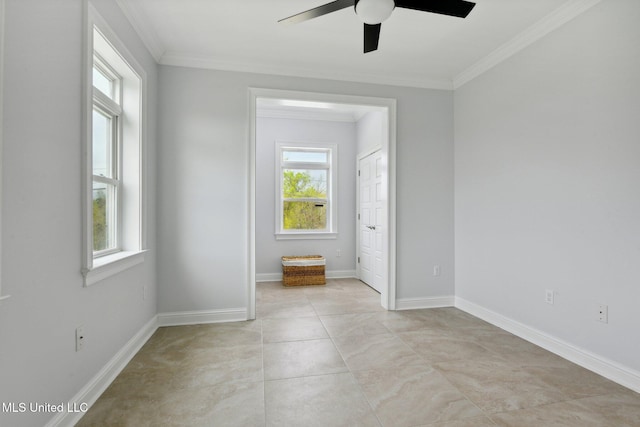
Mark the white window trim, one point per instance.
(109, 265)
(107, 70)
(332, 232)
(96, 269)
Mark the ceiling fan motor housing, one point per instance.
(374, 12)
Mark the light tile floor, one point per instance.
(331, 356)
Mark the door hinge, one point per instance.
(358, 173)
(358, 260)
(358, 217)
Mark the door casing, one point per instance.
(388, 295)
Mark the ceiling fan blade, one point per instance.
(459, 8)
(318, 11)
(371, 37)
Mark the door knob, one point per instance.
(371, 227)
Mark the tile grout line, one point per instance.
(264, 382)
(431, 365)
(364, 395)
(346, 326)
(349, 371)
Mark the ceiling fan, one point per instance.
(374, 12)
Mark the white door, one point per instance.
(371, 212)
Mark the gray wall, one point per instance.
(41, 214)
(268, 249)
(546, 195)
(371, 130)
(203, 170)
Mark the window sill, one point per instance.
(306, 236)
(110, 265)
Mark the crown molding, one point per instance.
(546, 25)
(141, 25)
(150, 38)
(554, 20)
(193, 61)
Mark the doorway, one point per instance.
(387, 149)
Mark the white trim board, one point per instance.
(334, 274)
(598, 364)
(99, 383)
(90, 393)
(222, 64)
(430, 302)
(179, 318)
(546, 25)
(388, 296)
(141, 25)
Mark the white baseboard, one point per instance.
(333, 274)
(341, 274)
(99, 383)
(179, 318)
(269, 277)
(607, 368)
(417, 303)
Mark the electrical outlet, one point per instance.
(603, 313)
(548, 296)
(436, 270)
(80, 338)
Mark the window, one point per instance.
(114, 193)
(306, 191)
(107, 128)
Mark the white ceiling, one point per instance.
(416, 48)
(312, 110)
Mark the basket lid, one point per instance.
(302, 257)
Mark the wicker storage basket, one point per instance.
(303, 270)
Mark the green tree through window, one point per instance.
(99, 221)
(306, 190)
(304, 200)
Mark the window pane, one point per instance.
(305, 156)
(304, 215)
(307, 183)
(103, 83)
(104, 208)
(102, 145)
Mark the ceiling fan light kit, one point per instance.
(374, 12)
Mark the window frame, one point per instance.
(112, 75)
(331, 231)
(110, 107)
(102, 46)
